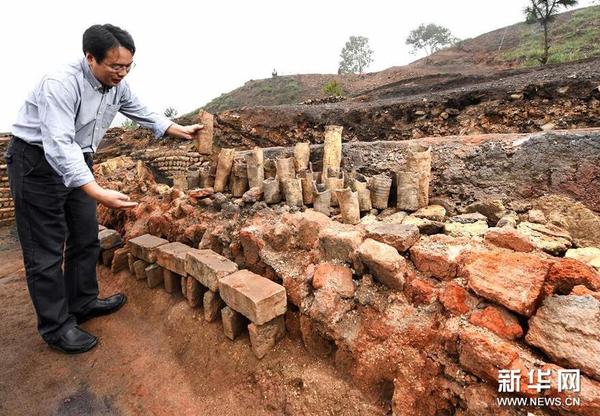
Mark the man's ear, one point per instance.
(89, 57)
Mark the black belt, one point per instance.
(20, 143)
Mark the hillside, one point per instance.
(575, 35)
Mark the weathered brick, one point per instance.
(101, 227)
(120, 260)
(172, 281)
(172, 256)
(340, 241)
(212, 303)
(264, 337)
(314, 342)
(139, 266)
(154, 275)
(109, 239)
(107, 256)
(208, 267)
(498, 320)
(384, 262)
(400, 236)
(130, 260)
(193, 290)
(144, 247)
(233, 322)
(335, 276)
(254, 296)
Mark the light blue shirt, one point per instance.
(68, 113)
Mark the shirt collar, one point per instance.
(87, 73)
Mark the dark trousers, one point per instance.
(55, 224)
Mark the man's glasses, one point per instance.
(120, 68)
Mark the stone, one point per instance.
(264, 337)
(469, 230)
(172, 256)
(431, 212)
(536, 216)
(192, 292)
(256, 297)
(588, 255)
(439, 255)
(549, 238)
(581, 290)
(201, 193)
(154, 275)
(509, 238)
(309, 226)
(338, 277)
(566, 273)
(511, 279)
(395, 218)
(144, 247)
(139, 266)
(508, 220)
(470, 218)
(233, 323)
(252, 243)
(384, 262)
(492, 209)
(457, 299)
(314, 342)
(425, 226)
(339, 242)
(107, 256)
(109, 239)
(212, 305)
(131, 259)
(101, 227)
(208, 267)
(421, 291)
(498, 320)
(120, 260)
(172, 281)
(399, 236)
(252, 195)
(567, 329)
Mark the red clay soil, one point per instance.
(156, 356)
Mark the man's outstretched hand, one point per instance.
(183, 132)
(108, 197)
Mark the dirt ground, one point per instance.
(156, 356)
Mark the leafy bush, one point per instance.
(332, 88)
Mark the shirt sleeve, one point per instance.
(57, 112)
(133, 108)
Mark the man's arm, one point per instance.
(160, 125)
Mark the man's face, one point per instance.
(113, 68)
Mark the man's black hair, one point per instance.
(98, 39)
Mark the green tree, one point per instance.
(430, 38)
(356, 56)
(170, 113)
(333, 88)
(544, 12)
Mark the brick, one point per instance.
(154, 275)
(172, 281)
(499, 321)
(309, 226)
(130, 260)
(139, 266)
(233, 322)
(107, 256)
(109, 239)
(400, 236)
(254, 296)
(339, 242)
(212, 303)
(457, 299)
(510, 238)
(567, 273)
(208, 267)
(193, 290)
(264, 337)
(511, 279)
(120, 260)
(314, 342)
(172, 256)
(335, 276)
(384, 262)
(144, 247)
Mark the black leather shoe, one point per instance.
(101, 307)
(74, 341)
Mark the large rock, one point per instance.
(431, 212)
(144, 247)
(565, 274)
(384, 262)
(510, 238)
(338, 277)
(109, 239)
(310, 225)
(439, 255)
(208, 267)
(256, 297)
(549, 238)
(492, 209)
(513, 280)
(588, 255)
(340, 241)
(466, 225)
(399, 236)
(567, 329)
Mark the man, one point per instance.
(49, 159)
